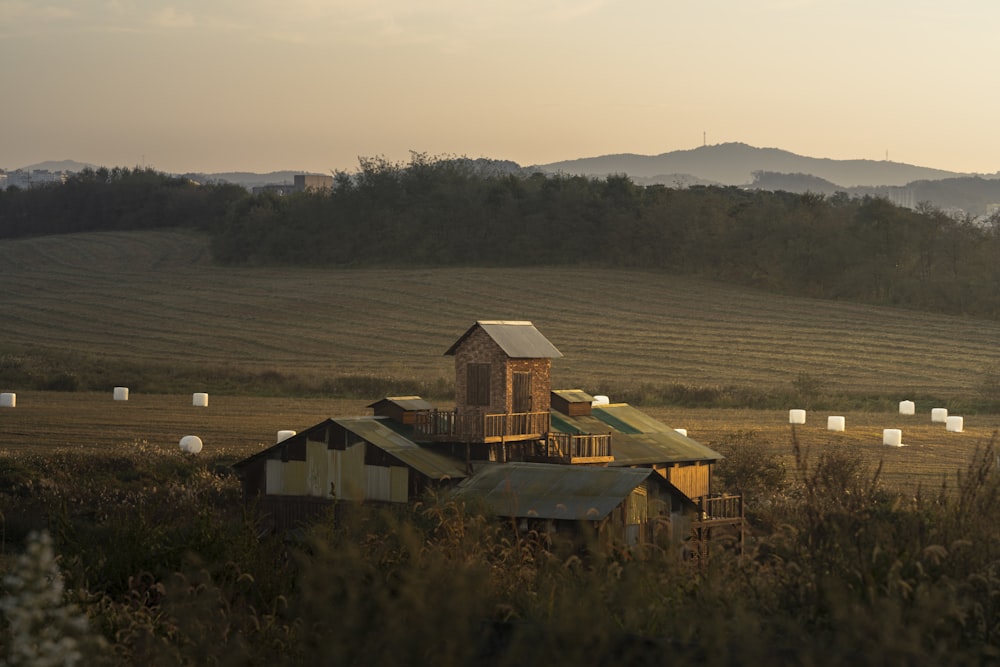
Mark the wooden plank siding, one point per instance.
(693, 479)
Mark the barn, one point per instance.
(511, 442)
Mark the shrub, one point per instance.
(750, 468)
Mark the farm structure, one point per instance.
(552, 458)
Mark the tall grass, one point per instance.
(158, 550)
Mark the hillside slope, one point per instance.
(147, 297)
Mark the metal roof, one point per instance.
(405, 402)
(276, 448)
(544, 491)
(573, 395)
(428, 462)
(517, 339)
(377, 431)
(637, 438)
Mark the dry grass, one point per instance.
(88, 420)
(145, 297)
(931, 455)
(238, 427)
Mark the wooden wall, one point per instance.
(692, 479)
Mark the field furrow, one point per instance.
(149, 296)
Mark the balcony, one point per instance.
(589, 449)
(452, 426)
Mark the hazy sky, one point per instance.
(224, 85)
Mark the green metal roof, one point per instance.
(428, 462)
(517, 339)
(543, 491)
(637, 438)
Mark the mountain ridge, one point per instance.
(727, 164)
(734, 163)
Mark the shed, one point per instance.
(502, 367)
(639, 440)
(629, 502)
(403, 409)
(349, 458)
(572, 402)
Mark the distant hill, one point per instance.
(59, 165)
(735, 164)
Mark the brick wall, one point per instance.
(479, 348)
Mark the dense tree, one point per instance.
(118, 198)
(456, 211)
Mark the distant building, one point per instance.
(34, 178)
(313, 182)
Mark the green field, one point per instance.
(135, 298)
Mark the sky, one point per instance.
(313, 85)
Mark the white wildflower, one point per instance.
(42, 628)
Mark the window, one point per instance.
(478, 392)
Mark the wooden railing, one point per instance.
(463, 427)
(568, 448)
(721, 521)
(722, 508)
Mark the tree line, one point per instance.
(114, 199)
(437, 212)
(455, 212)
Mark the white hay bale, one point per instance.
(835, 423)
(601, 400)
(199, 400)
(8, 400)
(892, 437)
(939, 415)
(907, 408)
(284, 435)
(191, 444)
(121, 393)
(682, 431)
(796, 416)
(954, 424)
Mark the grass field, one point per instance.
(139, 298)
(132, 299)
(235, 427)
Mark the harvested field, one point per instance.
(238, 427)
(133, 298)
